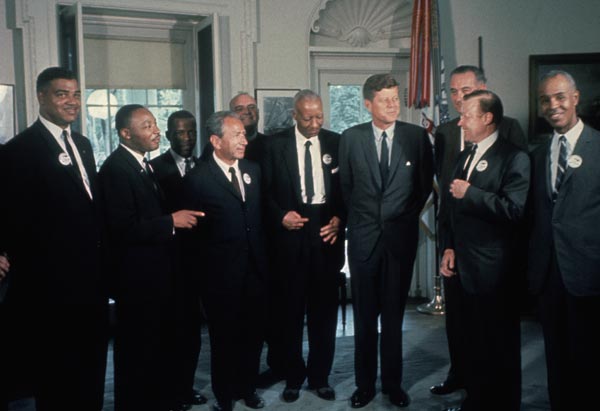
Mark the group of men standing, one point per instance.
(251, 236)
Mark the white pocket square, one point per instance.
(408, 164)
(335, 170)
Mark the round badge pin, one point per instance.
(64, 159)
(482, 165)
(575, 161)
(247, 178)
(326, 159)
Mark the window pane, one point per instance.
(103, 104)
(347, 108)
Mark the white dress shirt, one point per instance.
(377, 132)
(56, 132)
(572, 136)
(482, 147)
(317, 169)
(225, 167)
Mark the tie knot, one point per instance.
(232, 170)
(65, 135)
(562, 139)
(383, 135)
(307, 144)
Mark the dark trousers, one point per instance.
(143, 355)
(571, 340)
(187, 344)
(311, 288)
(454, 331)
(57, 352)
(236, 330)
(379, 288)
(493, 350)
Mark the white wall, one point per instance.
(511, 31)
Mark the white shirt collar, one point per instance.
(486, 143)
(572, 135)
(139, 157)
(55, 130)
(225, 167)
(378, 132)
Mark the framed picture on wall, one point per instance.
(7, 113)
(276, 106)
(585, 69)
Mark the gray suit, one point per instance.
(564, 271)
(383, 228)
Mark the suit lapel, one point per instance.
(370, 152)
(580, 149)
(546, 175)
(249, 191)
(137, 169)
(221, 179)
(57, 153)
(396, 151)
(326, 150)
(290, 155)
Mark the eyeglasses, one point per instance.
(241, 109)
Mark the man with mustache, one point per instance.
(141, 234)
(231, 260)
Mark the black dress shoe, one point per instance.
(325, 392)
(196, 398)
(290, 394)
(217, 406)
(360, 398)
(446, 387)
(254, 401)
(399, 398)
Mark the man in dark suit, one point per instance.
(386, 172)
(244, 105)
(565, 245)
(230, 245)
(486, 202)
(170, 168)
(141, 234)
(449, 142)
(304, 209)
(51, 233)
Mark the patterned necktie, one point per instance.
(234, 182)
(465, 171)
(562, 163)
(309, 186)
(384, 166)
(188, 165)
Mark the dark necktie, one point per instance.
(562, 163)
(465, 171)
(308, 174)
(188, 165)
(69, 148)
(235, 182)
(384, 165)
(150, 174)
